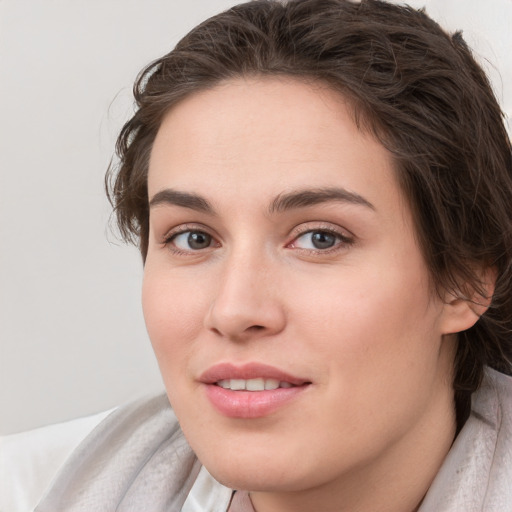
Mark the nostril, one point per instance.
(256, 328)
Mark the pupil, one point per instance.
(322, 240)
(198, 240)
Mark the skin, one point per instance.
(358, 319)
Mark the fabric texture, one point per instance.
(137, 456)
(138, 459)
(29, 460)
(476, 475)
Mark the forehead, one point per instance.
(267, 134)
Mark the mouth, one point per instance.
(252, 390)
(258, 384)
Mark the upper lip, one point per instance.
(224, 371)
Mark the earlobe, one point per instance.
(462, 310)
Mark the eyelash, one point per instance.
(342, 240)
(186, 228)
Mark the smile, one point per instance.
(258, 384)
(252, 390)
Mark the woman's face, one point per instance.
(285, 295)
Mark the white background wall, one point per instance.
(72, 337)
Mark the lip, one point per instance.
(250, 404)
(246, 371)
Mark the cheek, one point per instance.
(173, 312)
(374, 343)
(382, 319)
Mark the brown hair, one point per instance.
(413, 86)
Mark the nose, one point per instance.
(247, 303)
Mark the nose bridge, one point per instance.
(245, 302)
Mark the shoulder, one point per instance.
(497, 390)
(477, 474)
(30, 460)
(135, 456)
(492, 406)
(119, 460)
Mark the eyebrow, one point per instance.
(283, 202)
(304, 198)
(183, 199)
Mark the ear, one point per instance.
(464, 307)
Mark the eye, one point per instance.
(191, 240)
(320, 240)
(317, 240)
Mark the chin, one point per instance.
(256, 479)
(257, 470)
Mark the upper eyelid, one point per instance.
(183, 228)
(311, 226)
(342, 239)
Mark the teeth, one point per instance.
(237, 384)
(271, 384)
(255, 384)
(224, 384)
(258, 384)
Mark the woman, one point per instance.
(320, 193)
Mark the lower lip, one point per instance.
(251, 404)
